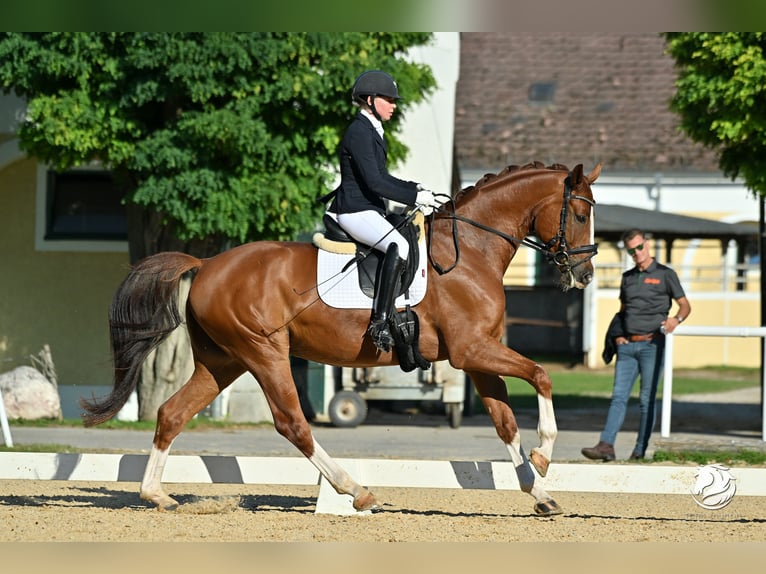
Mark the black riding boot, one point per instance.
(385, 293)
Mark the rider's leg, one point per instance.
(371, 228)
(385, 292)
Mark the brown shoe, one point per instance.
(635, 455)
(602, 451)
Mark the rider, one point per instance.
(359, 206)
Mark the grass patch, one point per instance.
(197, 423)
(685, 382)
(35, 447)
(580, 388)
(725, 457)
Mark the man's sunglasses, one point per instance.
(632, 250)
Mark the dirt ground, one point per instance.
(71, 511)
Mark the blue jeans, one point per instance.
(644, 358)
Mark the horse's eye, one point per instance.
(581, 218)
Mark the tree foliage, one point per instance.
(721, 98)
(229, 135)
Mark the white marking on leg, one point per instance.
(528, 480)
(546, 426)
(151, 485)
(340, 480)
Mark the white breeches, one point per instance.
(373, 229)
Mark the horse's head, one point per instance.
(566, 226)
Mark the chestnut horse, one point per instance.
(252, 307)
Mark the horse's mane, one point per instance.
(511, 169)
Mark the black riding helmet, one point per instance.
(374, 83)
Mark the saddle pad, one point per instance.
(342, 291)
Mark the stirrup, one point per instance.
(381, 335)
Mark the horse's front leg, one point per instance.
(495, 357)
(547, 431)
(494, 396)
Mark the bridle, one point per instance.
(561, 257)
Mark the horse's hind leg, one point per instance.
(279, 388)
(494, 396)
(172, 417)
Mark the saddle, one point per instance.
(336, 240)
(404, 324)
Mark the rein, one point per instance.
(560, 257)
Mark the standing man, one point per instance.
(646, 295)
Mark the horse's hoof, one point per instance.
(540, 462)
(547, 508)
(366, 501)
(162, 502)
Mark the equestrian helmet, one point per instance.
(374, 83)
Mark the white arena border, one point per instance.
(584, 477)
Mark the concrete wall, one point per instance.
(429, 127)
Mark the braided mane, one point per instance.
(491, 177)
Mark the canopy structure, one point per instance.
(613, 220)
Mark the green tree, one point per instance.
(214, 138)
(721, 100)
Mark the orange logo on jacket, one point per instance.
(652, 281)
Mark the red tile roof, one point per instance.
(610, 95)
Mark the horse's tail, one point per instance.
(144, 311)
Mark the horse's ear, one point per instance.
(593, 175)
(576, 174)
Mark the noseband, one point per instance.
(560, 257)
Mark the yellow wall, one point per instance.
(697, 351)
(58, 298)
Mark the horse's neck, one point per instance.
(509, 206)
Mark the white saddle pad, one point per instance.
(342, 291)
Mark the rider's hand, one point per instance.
(426, 201)
(426, 198)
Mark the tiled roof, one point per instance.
(609, 103)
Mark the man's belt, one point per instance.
(636, 338)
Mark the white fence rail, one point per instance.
(703, 331)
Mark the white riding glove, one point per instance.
(426, 200)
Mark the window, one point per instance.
(84, 204)
(79, 210)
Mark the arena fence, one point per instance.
(707, 331)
